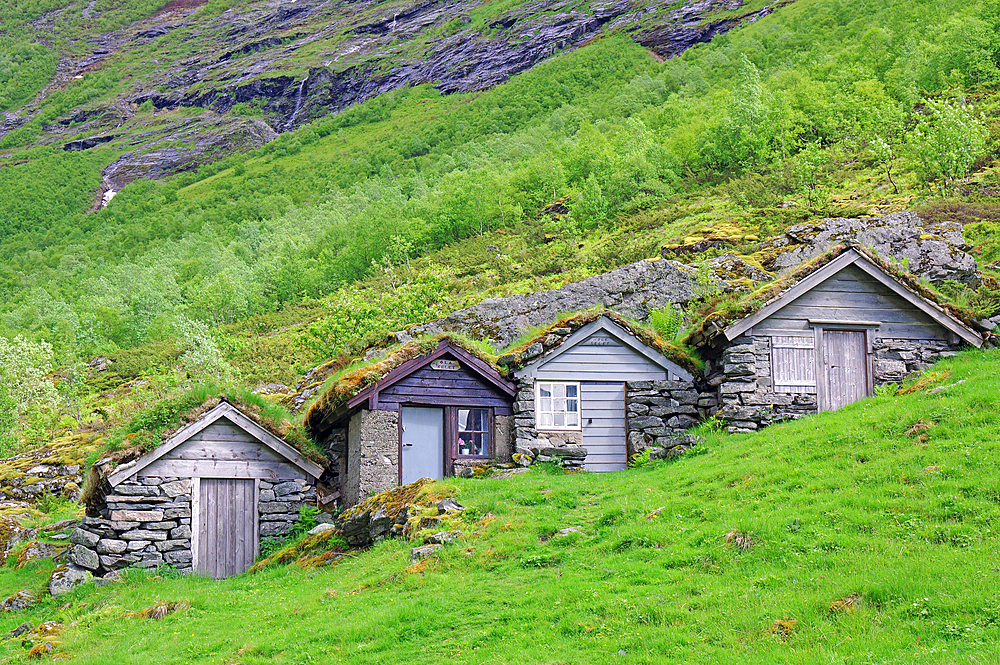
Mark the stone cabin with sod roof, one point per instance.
(829, 333)
(417, 413)
(592, 390)
(199, 501)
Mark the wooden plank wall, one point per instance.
(600, 358)
(853, 295)
(223, 450)
(451, 388)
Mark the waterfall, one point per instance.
(298, 104)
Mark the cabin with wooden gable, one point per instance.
(201, 501)
(827, 335)
(593, 389)
(417, 413)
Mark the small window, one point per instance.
(557, 406)
(474, 432)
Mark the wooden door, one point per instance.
(845, 367)
(227, 533)
(423, 443)
(602, 414)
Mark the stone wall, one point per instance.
(372, 454)
(146, 523)
(660, 412)
(279, 503)
(747, 401)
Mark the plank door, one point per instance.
(846, 367)
(423, 443)
(227, 536)
(602, 414)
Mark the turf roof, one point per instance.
(712, 325)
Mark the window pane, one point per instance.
(571, 391)
(464, 422)
(482, 420)
(559, 405)
(544, 390)
(545, 420)
(572, 420)
(571, 406)
(558, 419)
(559, 389)
(481, 447)
(545, 404)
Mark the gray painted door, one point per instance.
(227, 539)
(602, 412)
(423, 443)
(846, 365)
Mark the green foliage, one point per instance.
(948, 140)
(668, 322)
(307, 520)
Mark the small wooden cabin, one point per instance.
(827, 340)
(428, 417)
(200, 501)
(574, 394)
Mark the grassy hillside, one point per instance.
(860, 536)
(793, 106)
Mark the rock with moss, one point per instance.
(66, 578)
(21, 600)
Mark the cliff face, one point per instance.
(287, 62)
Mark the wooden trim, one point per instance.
(806, 285)
(256, 518)
(195, 521)
(399, 454)
(924, 305)
(821, 375)
(223, 410)
(847, 324)
(607, 325)
(870, 360)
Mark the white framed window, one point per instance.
(557, 405)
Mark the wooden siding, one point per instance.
(602, 409)
(223, 449)
(227, 534)
(793, 367)
(853, 295)
(603, 359)
(452, 388)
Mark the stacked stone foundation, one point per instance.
(659, 413)
(146, 523)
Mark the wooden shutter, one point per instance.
(793, 364)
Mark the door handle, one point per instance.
(407, 445)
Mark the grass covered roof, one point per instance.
(717, 318)
(514, 357)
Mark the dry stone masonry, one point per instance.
(659, 414)
(146, 523)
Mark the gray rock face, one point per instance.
(936, 252)
(631, 290)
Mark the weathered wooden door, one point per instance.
(845, 367)
(602, 411)
(226, 523)
(423, 443)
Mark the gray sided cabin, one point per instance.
(601, 394)
(827, 342)
(431, 417)
(200, 501)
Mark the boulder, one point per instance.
(65, 578)
(85, 558)
(21, 600)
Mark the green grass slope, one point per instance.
(873, 534)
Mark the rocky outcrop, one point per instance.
(632, 291)
(936, 252)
